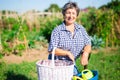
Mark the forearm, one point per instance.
(87, 49)
(85, 55)
(61, 52)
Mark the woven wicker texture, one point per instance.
(61, 70)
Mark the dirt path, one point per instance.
(37, 54)
(31, 55)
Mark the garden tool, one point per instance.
(85, 67)
(76, 78)
(87, 74)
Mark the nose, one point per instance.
(71, 14)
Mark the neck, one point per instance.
(70, 27)
(68, 24)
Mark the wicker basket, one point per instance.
(54, 69)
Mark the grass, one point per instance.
(106, 63)
(23, 71)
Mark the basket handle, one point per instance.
(53, 55)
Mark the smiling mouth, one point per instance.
(70, 19)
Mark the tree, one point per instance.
(53, 8)
(114, 5)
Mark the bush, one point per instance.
(96, 42)
(48, 27)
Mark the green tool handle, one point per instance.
(86, 66)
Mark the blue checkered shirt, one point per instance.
(63, 39)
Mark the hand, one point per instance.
(84, 58)
(70, 55)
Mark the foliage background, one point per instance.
(102, 24)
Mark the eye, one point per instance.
(67, 12)
(74, 13)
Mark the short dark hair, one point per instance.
(70, 5)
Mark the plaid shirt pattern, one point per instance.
(63, 39)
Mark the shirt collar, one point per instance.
(77, 26)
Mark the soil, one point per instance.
(38, 54)
(29, 56)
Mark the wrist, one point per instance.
(85, 53)
(67, 53)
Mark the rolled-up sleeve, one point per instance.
(87, 39)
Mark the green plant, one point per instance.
(1, 55)
(48, 27)
(96, 42)
(102, 23)
(88, 20)
(31, 44)
(6, 48)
